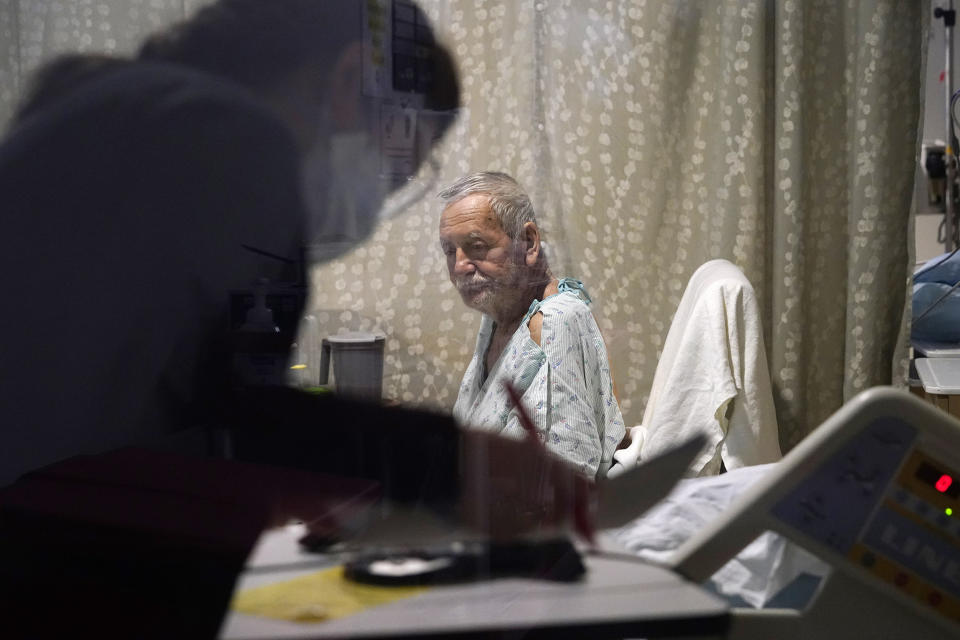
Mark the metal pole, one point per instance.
(949, 17)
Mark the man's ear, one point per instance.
(531, 242)
(345, 87)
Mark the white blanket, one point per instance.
(756, 574)
(712, 378)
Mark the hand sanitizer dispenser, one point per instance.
(260, 350)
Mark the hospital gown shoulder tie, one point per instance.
(565, 285)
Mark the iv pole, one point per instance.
(949, 19)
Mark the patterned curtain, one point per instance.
(653, 135)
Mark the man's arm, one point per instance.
(536, 327)
(562, 400)
(413, 454)
(421, 459)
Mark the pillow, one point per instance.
(942, 324)
(940, 269)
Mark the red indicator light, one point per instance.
(943, 483)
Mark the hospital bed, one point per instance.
(857, 529)
(868, 505)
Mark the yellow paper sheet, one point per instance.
(317, 597)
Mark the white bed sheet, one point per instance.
(758, 573)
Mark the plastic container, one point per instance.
(357, 364)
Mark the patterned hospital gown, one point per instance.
(565, 383)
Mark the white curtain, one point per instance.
(653, 135)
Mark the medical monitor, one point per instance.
(875, 492)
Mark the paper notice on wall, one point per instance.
(398, 140)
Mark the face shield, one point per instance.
(393, 96)
(367, 176)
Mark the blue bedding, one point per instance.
(930, 283)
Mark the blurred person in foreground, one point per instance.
(129, 196)
(537, 334)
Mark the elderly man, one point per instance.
(537, 333)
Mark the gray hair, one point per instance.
(508, 200)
